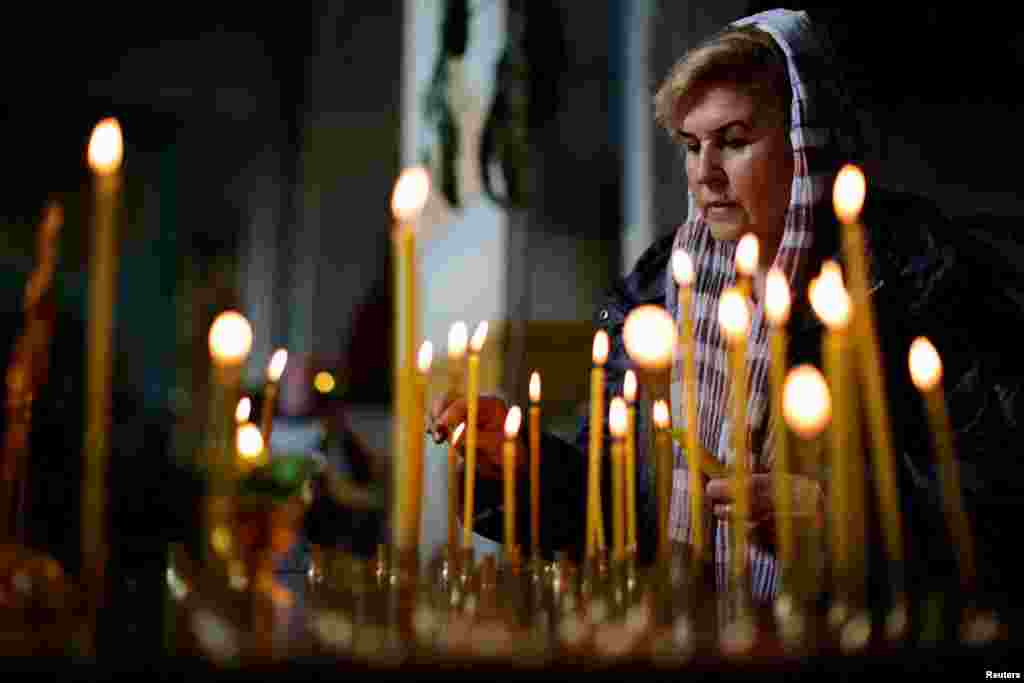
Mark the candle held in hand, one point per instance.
(747, 255)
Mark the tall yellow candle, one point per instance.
(230, 340)
(682, 272)
(415, 478)
(807, 410)
(275, 368)
(617, 420)
(747, 255)
(663, 468)
(535, 465)
(106, 151)
(407, 201)
(629, 394)
(926, 372)
(453, 486)
(734, 320)
(595, 522)
(649, 335)
(832, 305)
(848, 199)
(458, 338)
(472, 398)
(777, 307)
(513, 420)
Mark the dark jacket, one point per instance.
(928, 278)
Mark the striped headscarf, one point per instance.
(820, 145)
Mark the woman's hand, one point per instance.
(806, 495)
(447, 413)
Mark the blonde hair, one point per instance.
(744, 57)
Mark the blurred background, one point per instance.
(261, 150)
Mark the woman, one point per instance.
(764, 130)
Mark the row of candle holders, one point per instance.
(384, 611)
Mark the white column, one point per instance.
(637, 186)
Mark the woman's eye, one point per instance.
(734, 143)
(692, 149)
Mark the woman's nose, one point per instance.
(709, 166)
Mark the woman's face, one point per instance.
(739, 165)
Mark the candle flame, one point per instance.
(244, 410)
(682, 268)
(230, 338)
(512, 422)
(661, 418)
(425, 357)
(457, 336)
(747, 253)
(479, 337)
(848, 193)
(617, 417)
(410, 193)
(925, 364)
(599, 352)
(806, 403)
(629, 386)
(535, 387)
(829, 298)
(324, 382)
(276, 366)
(733, 315)
(106, 147)
(250, 441)
(776, 298)
(458, 433)
(650, 336)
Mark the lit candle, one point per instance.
(617, 420)
(472, 396)
(649, 335)
(230, 340)
(535, 465)
(274, 371)
(832, 305)
(747, 255)
(106, 152)
(513, 420)
(629, 393)
(734, 320)
(663, 455)
(244, 410)
(249, 440)
(848, 199)
(926, 372)
(414, 475)
(807, 409)
(407, 201)
(458, 337)
(453, 486)
(776, 308)
(682, 272)
(595, 522)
